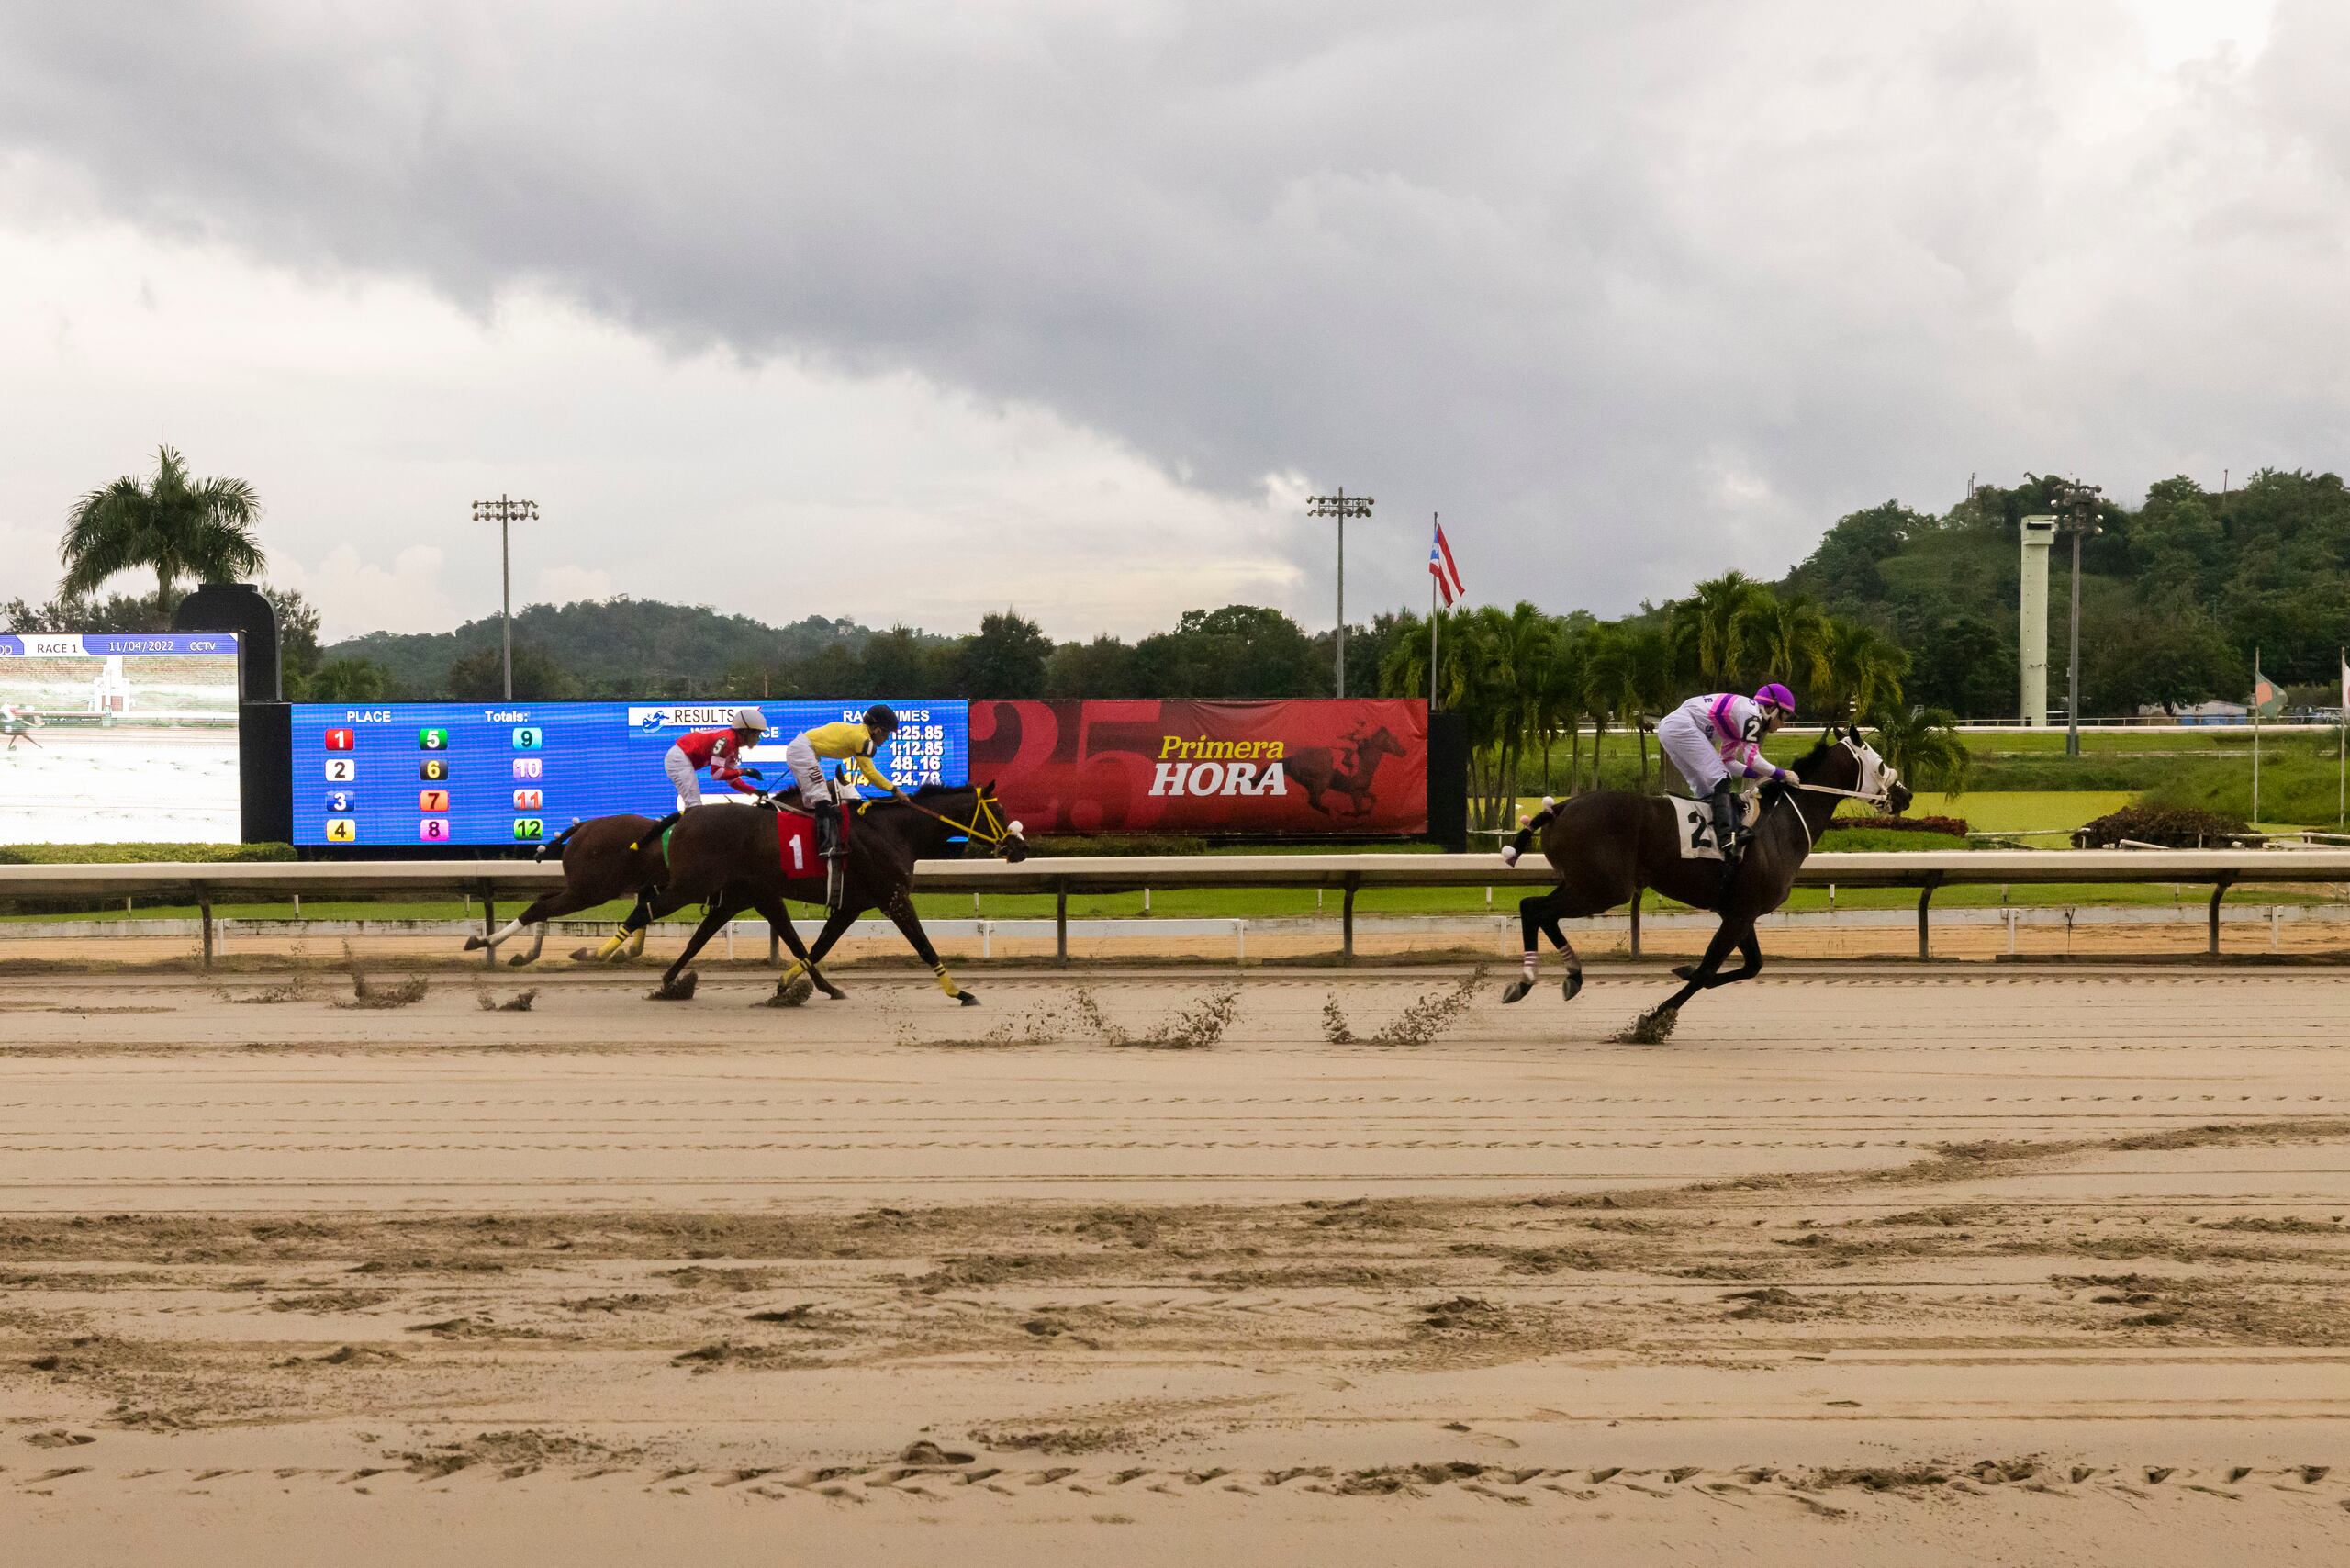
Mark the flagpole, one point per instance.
(2255, 824)
(1436, 518)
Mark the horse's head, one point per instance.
(1383, 743)
(1844, 760)
(988, 827)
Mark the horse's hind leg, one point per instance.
(543, 907)
(651, 905)
(1538, 917)
(771, 906)
(724, 907)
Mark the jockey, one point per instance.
(1716, 741)
(851, 740)
(721, 751)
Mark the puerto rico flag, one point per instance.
(1440, 567)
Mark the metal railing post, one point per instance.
(204, 915)
(1060, 920)
(1635, 922)
(1925, 897)
(2219, 892)
(1346, 918)
(489, 927)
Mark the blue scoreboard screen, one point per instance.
(510, 773)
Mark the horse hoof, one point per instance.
(518, 960)
(1517, 990)
(474, 944)
(583, 954)
(792, 992)
(832, 993)
(1684, 971)
(680, 990)
(966, 999)
(1573, 985)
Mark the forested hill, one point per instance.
(616, 646)
(2174, 594)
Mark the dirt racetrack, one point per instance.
(1883, 1264)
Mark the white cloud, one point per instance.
(909, 311)
(355, 593)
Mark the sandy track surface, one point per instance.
(1914, 1265)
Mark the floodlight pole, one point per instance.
(2079, 504)
(505, 511)
(1341, 506)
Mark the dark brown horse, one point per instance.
(732, 859)
(604, 858)
(1608, 846)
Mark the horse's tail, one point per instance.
(1528, 827)
(658, 834)
(554, 846)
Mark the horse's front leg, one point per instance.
(901, 911)
(1699, 977)
(1750, 949)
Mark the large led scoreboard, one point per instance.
(519, 773)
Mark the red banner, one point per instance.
(1307, 768)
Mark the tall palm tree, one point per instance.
(177, 526)
(1925, 745)
(1864, 667)
(1561, 693)
(1791, 641)
(1716, 628)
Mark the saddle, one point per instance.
(1693, 823)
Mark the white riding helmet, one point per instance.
(750, 719)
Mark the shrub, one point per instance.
(2173, 827)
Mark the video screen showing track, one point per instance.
(109, 738)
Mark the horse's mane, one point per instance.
(1808, 763)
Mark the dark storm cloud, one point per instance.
(1632, 292)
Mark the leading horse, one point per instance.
(1611, 844)
(732, 859)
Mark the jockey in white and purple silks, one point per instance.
(1716, 741)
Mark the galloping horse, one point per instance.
(732, 859)
(604, 858)
(1610, 844)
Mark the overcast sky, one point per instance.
(906, 310)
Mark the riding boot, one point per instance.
(1724, 801)
(828, 848)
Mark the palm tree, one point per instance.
(1716, 628)
(1925, 745)
(1561, 693)
(177, 526)
(1864, 667)
(1791, 639)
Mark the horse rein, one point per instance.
(994, 834)
(1880, 797)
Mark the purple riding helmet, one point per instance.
(1776, 696)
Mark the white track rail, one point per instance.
(204, 884)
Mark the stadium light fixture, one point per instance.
(505, 511)
(1341, 506)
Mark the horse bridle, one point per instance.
(987, 825)
(1887, 777)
